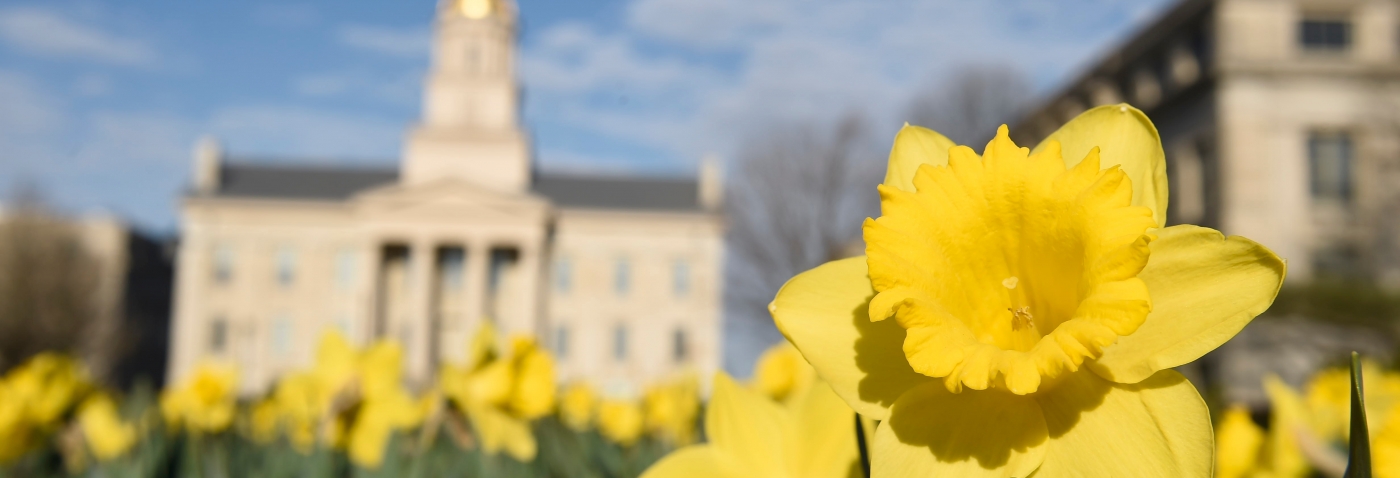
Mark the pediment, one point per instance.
(445, 199)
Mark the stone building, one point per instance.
(620, 276)
(1280, 120)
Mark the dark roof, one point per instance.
(300, 182)
(337, 183)
(604, 192)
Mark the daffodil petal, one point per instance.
(748, 427)
(825, 313)
(699, 461)
(915, 146)
(1124, 137)
(934, 432)
(826, 434)
(1157, 428)
(499, 431)
(1205, 288)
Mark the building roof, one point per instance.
(300, 182)
(338, 183)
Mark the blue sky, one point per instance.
(101, 100)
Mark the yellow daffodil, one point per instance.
(1037, 306)
(1385, 447)
(1328, 398)
(672, 409)
(782, 372)
(501, 394)
(16, 431)
(576, 406)
(205, 401)
(50, 384)
(1237, 444)
(264, 422)
(385, 406)
(103, 429)
(533, 394)
(620, 421)
(753, 436)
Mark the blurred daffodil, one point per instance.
(103, 429)
(577, 406)
(620, 421)
(781, 372)
(385, 407)
(501, 393)
(1310, 431)
(205, 401)
(751, 435)
(1237, 444)
(672, 409)
(1038, 306)
(34, 397)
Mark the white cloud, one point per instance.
(44, 33)
(405, 43)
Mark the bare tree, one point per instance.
(47, 283)
(797, 200)
(969, 104)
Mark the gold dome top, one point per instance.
(476, 9)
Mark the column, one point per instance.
(367, 284)
(478, 259)
(418, 347)
(529, 320)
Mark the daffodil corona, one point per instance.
(1019, 311)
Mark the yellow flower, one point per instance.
(1237, 444)
(1385, 448)
(16, 431)
(299, 406)
(385, 406)
(671, 410)
(205, 401)
(106, 434)
(751, 435)
(265, 420)
(337, 365)
(577, 406)
(1038, 304)
(782, 372)
(620, 421)
(533, 394)
(1328, 398)
(49, 385)
(501, 394)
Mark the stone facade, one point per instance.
(1280, 120)
(621, 276)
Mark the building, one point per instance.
(1280, 120)
(621, 276)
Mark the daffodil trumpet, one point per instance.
(1020, 311)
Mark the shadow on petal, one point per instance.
(879, 350)
(973, 433)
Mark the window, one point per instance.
(223, 264)
(620, 342)
(1329, 166)
(1325, 34)
(561, 341)
(286, 266)
(218, 335)
(563, 271)
(680, 277)
(622, 276)
(451, 262)
(345, 270)
(281, 335)
(680, 350)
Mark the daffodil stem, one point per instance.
(1359, 461)
(864, 450)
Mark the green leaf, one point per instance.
(1359, 461)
